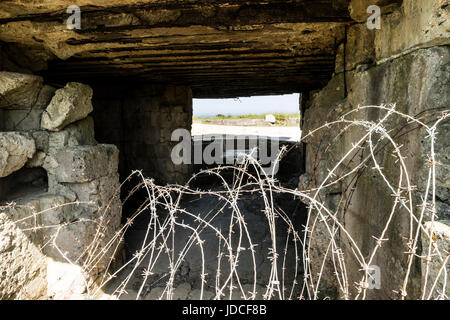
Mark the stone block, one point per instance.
(15, 150)
(100, 191)
(24, 117)
(68, 105)
(78, 133)
(19, 90)
(22, 266)
(22, 120)
(86, 163)
(41, 138)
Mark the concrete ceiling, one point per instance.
(219, 48)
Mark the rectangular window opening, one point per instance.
(263, 116)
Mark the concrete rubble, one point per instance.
(15, 150)
(70, 104)
(79, 178)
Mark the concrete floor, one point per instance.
(284, 133)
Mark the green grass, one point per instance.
(278, 116)
(281, 118)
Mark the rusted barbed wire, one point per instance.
(163, 204)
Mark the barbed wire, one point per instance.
(163, 204)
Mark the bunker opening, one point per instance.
(221, 184)
(101, 197)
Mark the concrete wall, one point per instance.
(406, 62)
(59, 191)
(63, 186)
(140, 121)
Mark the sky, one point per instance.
(288, 103)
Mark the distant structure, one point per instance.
(271, 118)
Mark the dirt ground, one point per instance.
(187, 282)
